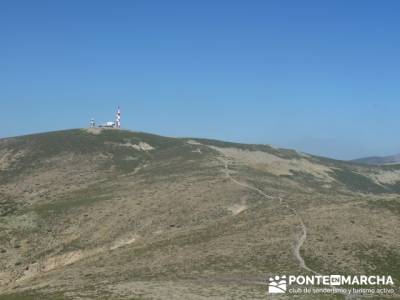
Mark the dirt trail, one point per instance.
(303, 235)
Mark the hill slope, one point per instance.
(113, 214)
(379, 160)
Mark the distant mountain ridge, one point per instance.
(379, 160)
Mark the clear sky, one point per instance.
(318, 76)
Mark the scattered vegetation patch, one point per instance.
(7, 206)
(392, 205)
(282, 153)
(76, 199)
(357, 182)
(376, 259)
(395, 188)
(32, 295)
(39, 147)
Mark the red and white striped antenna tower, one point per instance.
(118, 118)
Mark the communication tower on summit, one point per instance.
(118, 118)
(109, 124)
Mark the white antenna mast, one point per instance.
(118, 118)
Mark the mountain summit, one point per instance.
(114, 214)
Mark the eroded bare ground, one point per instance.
(123, 215)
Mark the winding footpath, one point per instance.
(302, 237)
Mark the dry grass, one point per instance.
(118, 222)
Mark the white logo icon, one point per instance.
(335, 279)
(277, 285)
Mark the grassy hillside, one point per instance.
(114, 214)
(379, 160)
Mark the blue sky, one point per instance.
(318, 76)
